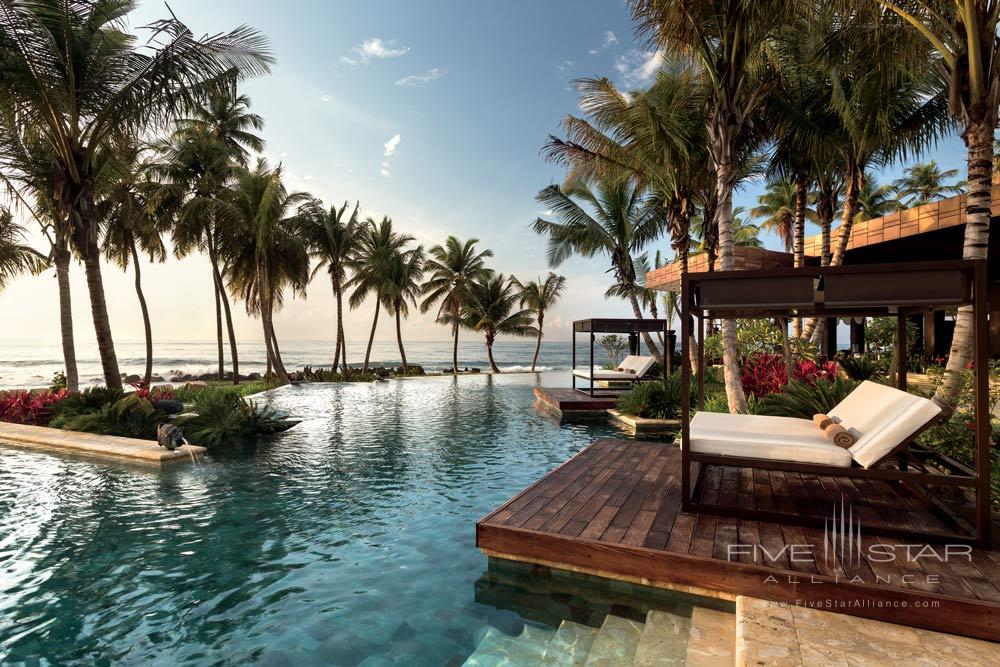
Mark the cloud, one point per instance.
(324, 98)
(418, 80)
(610, 39)
(638, 67)
(374, 48)
(390, 146)
(385, 172)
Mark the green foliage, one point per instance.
(801, 399)
(58, 381)
(92, 399)
(654, 400)
(862, 367)
(129, 416)
(615, 346)
(754, 337)
(717, 402)
(223, 418)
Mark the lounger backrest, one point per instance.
(881, 418)
(628, 363)
(637, 364)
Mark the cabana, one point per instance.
(635, 366)
(883, 421)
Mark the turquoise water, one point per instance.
(347, 540)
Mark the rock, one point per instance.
(177, 378)
(252, 376)
(195, 384)
(170, 406)
(156, 378)
(132, 379)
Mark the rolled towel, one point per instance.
(821, 420)
(839, 435)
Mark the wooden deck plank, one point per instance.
(615, 509)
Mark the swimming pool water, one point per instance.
(348, 540)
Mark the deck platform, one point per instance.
(92, 445)
(614, 510)
(568, 400)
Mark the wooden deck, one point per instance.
(571, 400)
(614, 510)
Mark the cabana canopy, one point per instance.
(633, 328)
(874, 290)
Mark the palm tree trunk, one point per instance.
(799, 233)
(230, 330)
(99, 312)
(538, 343)
(371, 338)
(218, 303)
(726, 175)
(336, 349)
(341, 338)
(146, 326)
(490, 338)
(637, 311)
(265, 303)
(979, 141)
(399, 340)
(62, 256)
(454, 345)
(854, 173)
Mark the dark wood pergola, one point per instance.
(874, 290)
(633, 328)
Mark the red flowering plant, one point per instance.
(765, 374)
(153, 394)
(29, 407)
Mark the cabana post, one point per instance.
(897, 290)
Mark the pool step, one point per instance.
(498, 649)
(712, 639)
(570, 645)
(615, 643)
(664, 640)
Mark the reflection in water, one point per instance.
(350, 536)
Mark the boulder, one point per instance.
(170, 406)
(132, 379)
(195, 384)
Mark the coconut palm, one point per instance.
(622, 222)
(16, 256)
(378, 244)
(924, 183)
(745, 233)
(452, 268)
(777, 208)
(115, 84)
(258, 223)
(402, 286)
(875, 200)
(727, 39)
(492, 311)
(538, 296)
(333, 239)
(131, 227)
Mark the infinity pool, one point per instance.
(347, 540)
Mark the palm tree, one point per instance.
(538, 296)
(727, 39)
(379, 243)
(874, 200)
(16, 257)
(333, 240)
(130, 227)
(963, 36)
(115, 84)
(924, 183)
(777, 206)
(197, 161)
(745, 233)
(623, 222)
(402, 286)
(452, 268)
(258, 223)
(491, 310)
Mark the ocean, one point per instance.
(31, 365)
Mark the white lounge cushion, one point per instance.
(764, 437)
(636, 364)
(602, 374)
(881, 418)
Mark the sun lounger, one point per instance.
(633, 368)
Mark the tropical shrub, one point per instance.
(224, 418)
(130, 416)
(804, 399)
(659, 399)
(153, 394)
(766, 373)
(29, 407)
(89, 400)
(717, 402)
(861, 367)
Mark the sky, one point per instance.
(432, 113)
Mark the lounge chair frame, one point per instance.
(873, 290)
(634, 328)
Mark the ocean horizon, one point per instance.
(31, 364)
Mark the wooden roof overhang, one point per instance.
(619, 325)
(847, 291)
